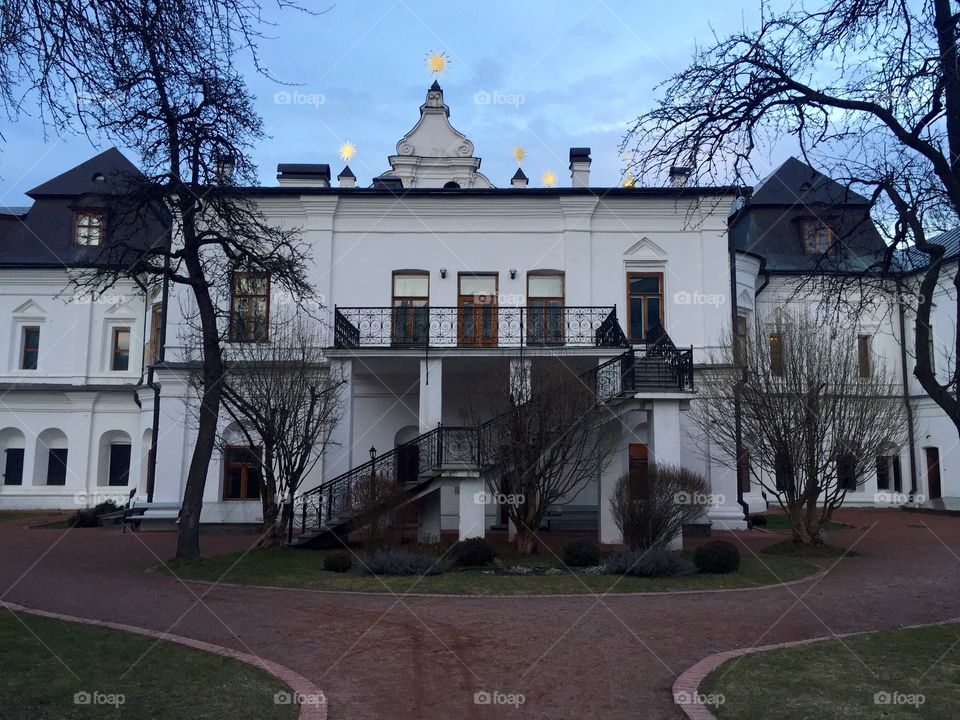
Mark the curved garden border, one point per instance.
(297, 682)
(523, 596)
(687, 685)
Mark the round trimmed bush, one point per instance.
(338, 562)
(580, 553)
(717, 556)
(473, 552)
(758, 520)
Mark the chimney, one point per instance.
(580, 167)
(679, 175)
(519, 180)
(223, 168)
(347, 178)
(303, 175)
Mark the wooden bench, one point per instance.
(149, 512)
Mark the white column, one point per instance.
(431, 393)
(472, 506)
(664, 433)
(339, 458)
(664, 429)
(618, 467)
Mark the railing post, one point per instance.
(303, 515)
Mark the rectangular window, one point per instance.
(411, 311)
(817, 238)
(241, 473)
(118, 472)
(545, 315)
(740, 341)
(57, 466)
(644, 304)
(776, 355)
(156, 319)
(13, 467)
(120, 358)
(883, 473)
(847, 471)
(30, 348)
(89, 229)
(250, 307)
(477, 310)
(864, 362)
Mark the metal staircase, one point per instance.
(335, 508)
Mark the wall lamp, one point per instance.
(513, 273)
(443, 273)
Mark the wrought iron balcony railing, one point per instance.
(477, 326)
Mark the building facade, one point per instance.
(433, 282)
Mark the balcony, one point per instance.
(477, 326)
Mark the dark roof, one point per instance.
(579, 153)
(389, 183)
(796, 183)
(43, 236)
(346, 172)
(518, 175)
(770, 223)
(913, 259)
(14, 210)
(85, 179)
(435, 87)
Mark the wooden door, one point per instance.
(477, 311)
(933, 473)
(639, 472)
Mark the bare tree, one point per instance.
(546, 442)
(286, 400)
(815, 414)
(159, 77)
(870, 90)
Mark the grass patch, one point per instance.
(825, 680)
(789, 548)
(779, 521)
(8, 515)
(304, 569)
(158, 680)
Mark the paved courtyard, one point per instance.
(381, 656)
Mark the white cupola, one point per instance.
(434, 154)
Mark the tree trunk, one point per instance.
(525, 540)
(188, 532)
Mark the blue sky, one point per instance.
(558, 74)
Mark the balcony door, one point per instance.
(477, 310)
(644, 304)
(411, 314)
(545, 315)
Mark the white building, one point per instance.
(434, 280)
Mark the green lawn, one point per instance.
(6, 515)
(304, 569)
(827, 680)
(161, 680)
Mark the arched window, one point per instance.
(451, 185)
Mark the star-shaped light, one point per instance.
(347, 151)
(628, 181)
(437, 62)
(549, 178)
(519, 154)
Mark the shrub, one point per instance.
(652, 512)
(758, 520)
(580, 553)
(655, 562)
(338, 562)
(90, 517)
(717, 556)
(392, 561)
(473, 552)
